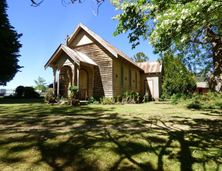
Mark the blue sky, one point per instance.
(45, 27)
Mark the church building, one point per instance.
(100, 69)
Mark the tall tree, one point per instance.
(140, 57)
(40, 84)
(191, 28)
(9, 47)
(177, 78)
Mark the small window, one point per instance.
(136, 80)
(122, 75)
(130, 85)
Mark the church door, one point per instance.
(83, 85)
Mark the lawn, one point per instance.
(151, 137)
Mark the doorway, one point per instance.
(83, 84)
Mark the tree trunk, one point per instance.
(215, 79)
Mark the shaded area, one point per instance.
(97, 138)
(14, 100)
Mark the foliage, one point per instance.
(192, 29)
(210, 100)
(50, 97)
(73, 96)
(40, 84)
(119, 98)
(36, 3)
(30, 92)
(180, 98)
(93, 100)
(177, 78)
(140, 57)
(9, 47)
(131, 98)
(19, 91)
(107, 101)
(145, 99)
(73, 88)
(163, 97)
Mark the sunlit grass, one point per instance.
(152, 136)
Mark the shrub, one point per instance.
(107, 100)
(174, 98)
(129, 98)
(119, 98)
(19, 91)
(50, 97)
(74, 96)
(28, 91)
(92, 100)
(73, 88)
(145, 99)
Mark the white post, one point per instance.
(54, 79)
(73, 74)
(58, 83)
(77, 77)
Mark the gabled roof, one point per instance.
(150, 67)
(113, 50)
(76, 56)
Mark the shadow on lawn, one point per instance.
(21, 100)
(94, 139)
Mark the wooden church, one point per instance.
(100, 69)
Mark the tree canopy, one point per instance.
(177, 78)
(190, 28)
(40, 84)
(9, 47)
(140, 57)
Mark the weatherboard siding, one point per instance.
(117, 88)
(103, 77)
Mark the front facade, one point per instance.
(99, 69)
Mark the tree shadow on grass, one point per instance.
(21, 100)
(87, 138)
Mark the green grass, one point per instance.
(151, 136)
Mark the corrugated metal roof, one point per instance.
(150, 67)
(202, 85)
(103, 42)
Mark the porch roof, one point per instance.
(76, 56)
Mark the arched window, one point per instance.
(130, 85)
(122, 75)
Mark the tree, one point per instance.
(190, 28)
(36, 3)
(140, 57)
(40, 84)
(177, 78)
(9, 47)
(19, 91)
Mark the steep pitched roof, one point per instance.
(150, 67)
(76, 56)
(113, 50)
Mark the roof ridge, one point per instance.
(112, 49)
